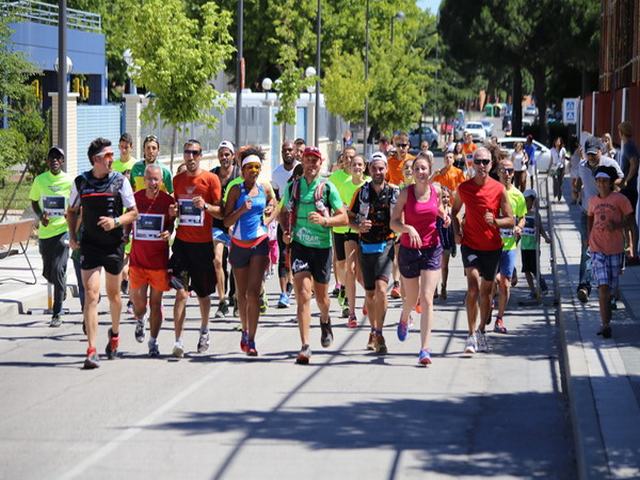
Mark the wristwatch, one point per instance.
(205, 206)
(116, 222)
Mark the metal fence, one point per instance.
(47, 14)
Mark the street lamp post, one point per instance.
(398, 16)
(239, 70)
(316, 129)
(62, 75)
(267, 83)
(366, 77)
(128, 59)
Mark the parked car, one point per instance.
(488, 127)
(543, 154)
(428, 134)
(476, 129)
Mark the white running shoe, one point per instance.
(178, 350)
(483, 343)
(471, 346)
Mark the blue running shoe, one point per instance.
(283, 301)
(424, 358)
(403, 330)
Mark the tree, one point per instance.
(344, 87)
(176, 58)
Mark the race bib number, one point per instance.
(506, 232)
(190, 216)
(53, 206)
(530, 231)
(148, 226)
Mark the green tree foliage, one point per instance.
(345, 88)
(176, 58)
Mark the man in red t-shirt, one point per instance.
(198, 195)
(487, 210)
(149, 255)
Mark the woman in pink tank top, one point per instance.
(420, 254)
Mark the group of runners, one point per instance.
(388, 222)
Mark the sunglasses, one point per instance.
(508, 171)
(482, 161)
(105, 153)
(195, 153)
(402, 145)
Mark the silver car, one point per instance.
(543, 154)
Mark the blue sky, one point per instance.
(430, 4)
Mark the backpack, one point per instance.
(320, 196)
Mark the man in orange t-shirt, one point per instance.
(450, 176)
(197, 193)
(468, 149)
(396, 162)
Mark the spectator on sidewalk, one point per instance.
(629, 158)
(49, 196)
(610, 214)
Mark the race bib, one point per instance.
(506, 232)
(190, 216)
(53, 206)
(148, 226)
(529, 231)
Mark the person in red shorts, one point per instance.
(487, 210)
(197, 193)
(149, 256)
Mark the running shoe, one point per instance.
(56, 321)
(345, 311)
(371, 344)
(244, 342)
(395, 291)
(203, 342)
(353, 322)
(342, 296)
(92, 361)
(424, 358)
(223, 310)
(178, 350)
(583, 294)
(499, 326)
(403, 330)
(380, 346)
(304, 355)
(326, 336)
(283, 301)
(336, 290)
(112, 345)
(129, 307)
(139, 330)
(483, 343)
(251, 349)
(471, 346)
(264, 304)
(154, 352)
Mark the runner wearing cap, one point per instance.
(100, 195)
(197, 193)
(370, 212)
(149, 257)
(279, 179)
(420, 257)
(587, 185)
(487, 210)
(227, 171)
(312, 206)
(245, 210)
(610, 218)
(49, 196)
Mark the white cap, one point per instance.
(227, 144)
(378, 157)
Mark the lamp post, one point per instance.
(267, 83)
(366, 77)
(316, 129)
(398, 16)
(308, 73)
(239, 69)
(62, 75)
(128, 59)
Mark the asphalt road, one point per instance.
(350, 414)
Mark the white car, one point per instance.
(543, 154)
(476, 129)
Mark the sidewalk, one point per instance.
(601, 377)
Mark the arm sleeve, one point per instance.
(126, 194)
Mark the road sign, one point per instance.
(570, 110)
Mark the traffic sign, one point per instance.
(570, 110)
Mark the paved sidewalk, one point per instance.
(601, 377)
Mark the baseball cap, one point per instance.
(227, 144)
(378, 157)
(55, 152)
(603, 175)
(312, 151)
(592, 146)
(530, 193)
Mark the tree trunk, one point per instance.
(174, 136)
(516, 114)
(540, 90)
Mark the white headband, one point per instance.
(251, 159)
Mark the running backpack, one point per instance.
(320, 196)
